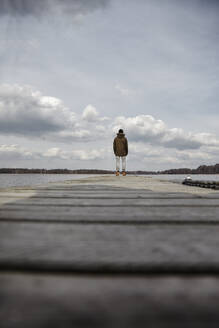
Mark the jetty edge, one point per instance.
(109, 252)
(201, 183)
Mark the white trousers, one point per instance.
(118, 163)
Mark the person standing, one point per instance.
(120, 148)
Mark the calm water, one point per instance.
(181, 177)
(9, 180)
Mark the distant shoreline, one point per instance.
(65, 171)
(203, 169)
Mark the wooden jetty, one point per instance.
(95, 254)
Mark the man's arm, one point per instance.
(114, 146)
(126, 145)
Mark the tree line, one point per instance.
(203, 169)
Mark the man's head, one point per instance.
(121, 131)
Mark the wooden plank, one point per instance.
(87, 189)
(102, 195)
(212, 195)
(136, 202)
(82, 191)
(108, 301)
(106, 230)
(112, 213)
(109, 248)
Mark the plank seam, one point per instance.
(110, 222)
(98, 206)
(81, 197)
(150, 269)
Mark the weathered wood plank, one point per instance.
(212, 195)
(108, 230)
(79, 188)
(108, 214)
(108, 248)
(108, 301)
(136, 202)
(102, 195)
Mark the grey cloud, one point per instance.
(15, 152)
(41, 7)
(23, 127)
(24, 111)
(182, 143)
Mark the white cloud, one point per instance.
(55, 153)
(140, 127)
(195, 155)
(90, 114)
(159, 157)
(25, 112)
(126, 92)
(80, 134)
(145, 128)
(15, 152)
(83, 155)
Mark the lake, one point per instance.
(10, 180)
(181, 177)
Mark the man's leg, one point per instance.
(123, 165)
(117, 165)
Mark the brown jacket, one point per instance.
(120, 145)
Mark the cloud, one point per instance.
(15, 152)
(90, 114)
(141, 127)
(83, 155)
(195, 155)
(158, 157)
(146, 129)
(44, 7)
(126, 92)
(80, 134)
(25, 111)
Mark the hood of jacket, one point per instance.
(121, 135)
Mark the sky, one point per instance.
(73, 72)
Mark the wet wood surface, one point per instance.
(101, 256)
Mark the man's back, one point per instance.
(120, 145)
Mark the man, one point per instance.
(120, 147)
